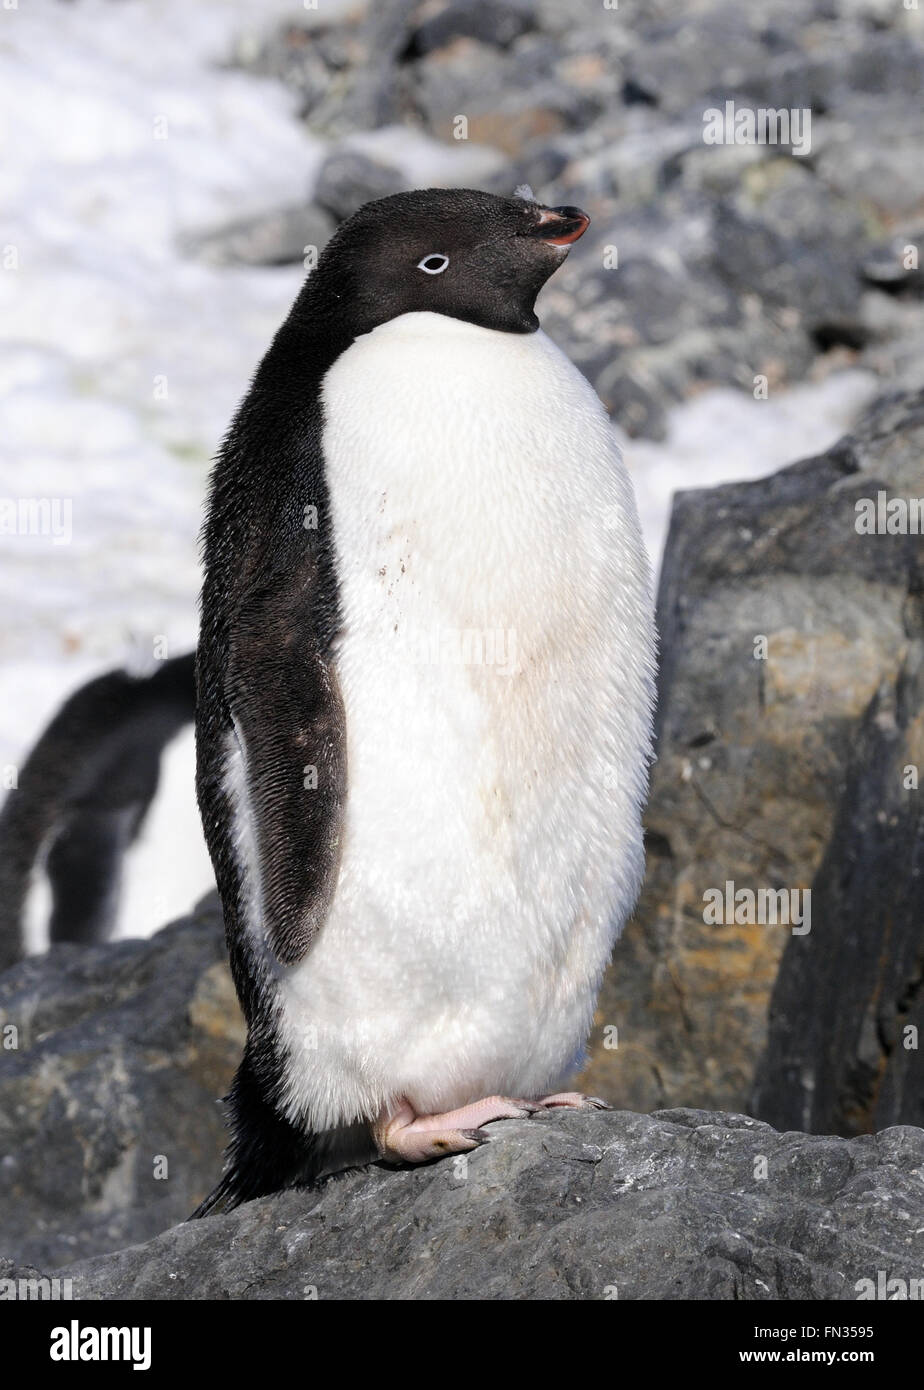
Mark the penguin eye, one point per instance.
(434, 264)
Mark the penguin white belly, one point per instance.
(496, 667)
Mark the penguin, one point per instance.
(425, 688)
(82, 798)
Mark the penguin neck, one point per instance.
(325, 320)
(329, 315)
(319, 328)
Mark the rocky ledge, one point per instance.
(109, 1133)
(680, 1204)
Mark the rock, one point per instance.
(892, 264)
(683, 1204)
(894, 325)
(273, 238)
(507, 98)
(655, 306)
(111, 1061)
(681, 60)
(846, 1018)
(843, 60)
(496, 22)
(349, 178)
(791, 242)
(753, 754)
(368, 91)
(348, 61)
(362, 167)
(884, 170)
(307, 57)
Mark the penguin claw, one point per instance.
(572, 1100)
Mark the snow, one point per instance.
(123, 360)
(725, 436)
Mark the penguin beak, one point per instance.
(560, 226)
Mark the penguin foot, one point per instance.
(402, 1136)
(571, 1100)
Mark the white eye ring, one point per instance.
(427, 266)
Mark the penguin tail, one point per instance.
(267, 1153)
(222, 1197)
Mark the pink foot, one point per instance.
(403, 1137)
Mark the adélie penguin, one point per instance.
(425, 686)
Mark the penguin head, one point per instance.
(459, 252)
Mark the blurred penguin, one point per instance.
(82, 798)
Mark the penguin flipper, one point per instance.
(287, 714)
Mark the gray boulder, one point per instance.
(845, 1045)
(349, 178)
(496, 22)
(779, 624)
(684, 1204)
(111, 1061)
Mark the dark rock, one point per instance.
(683, 59)
(368, 92)
(346, 73)
(816, 281)
(273, 238)
(851, 61)
(349, 178)
(883, 170)
(637, 405)
(753, 753)
(846, 1021)
(120, 1052)
(890, 264)
(507, 99)
(496, 22)
(685, 1204)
